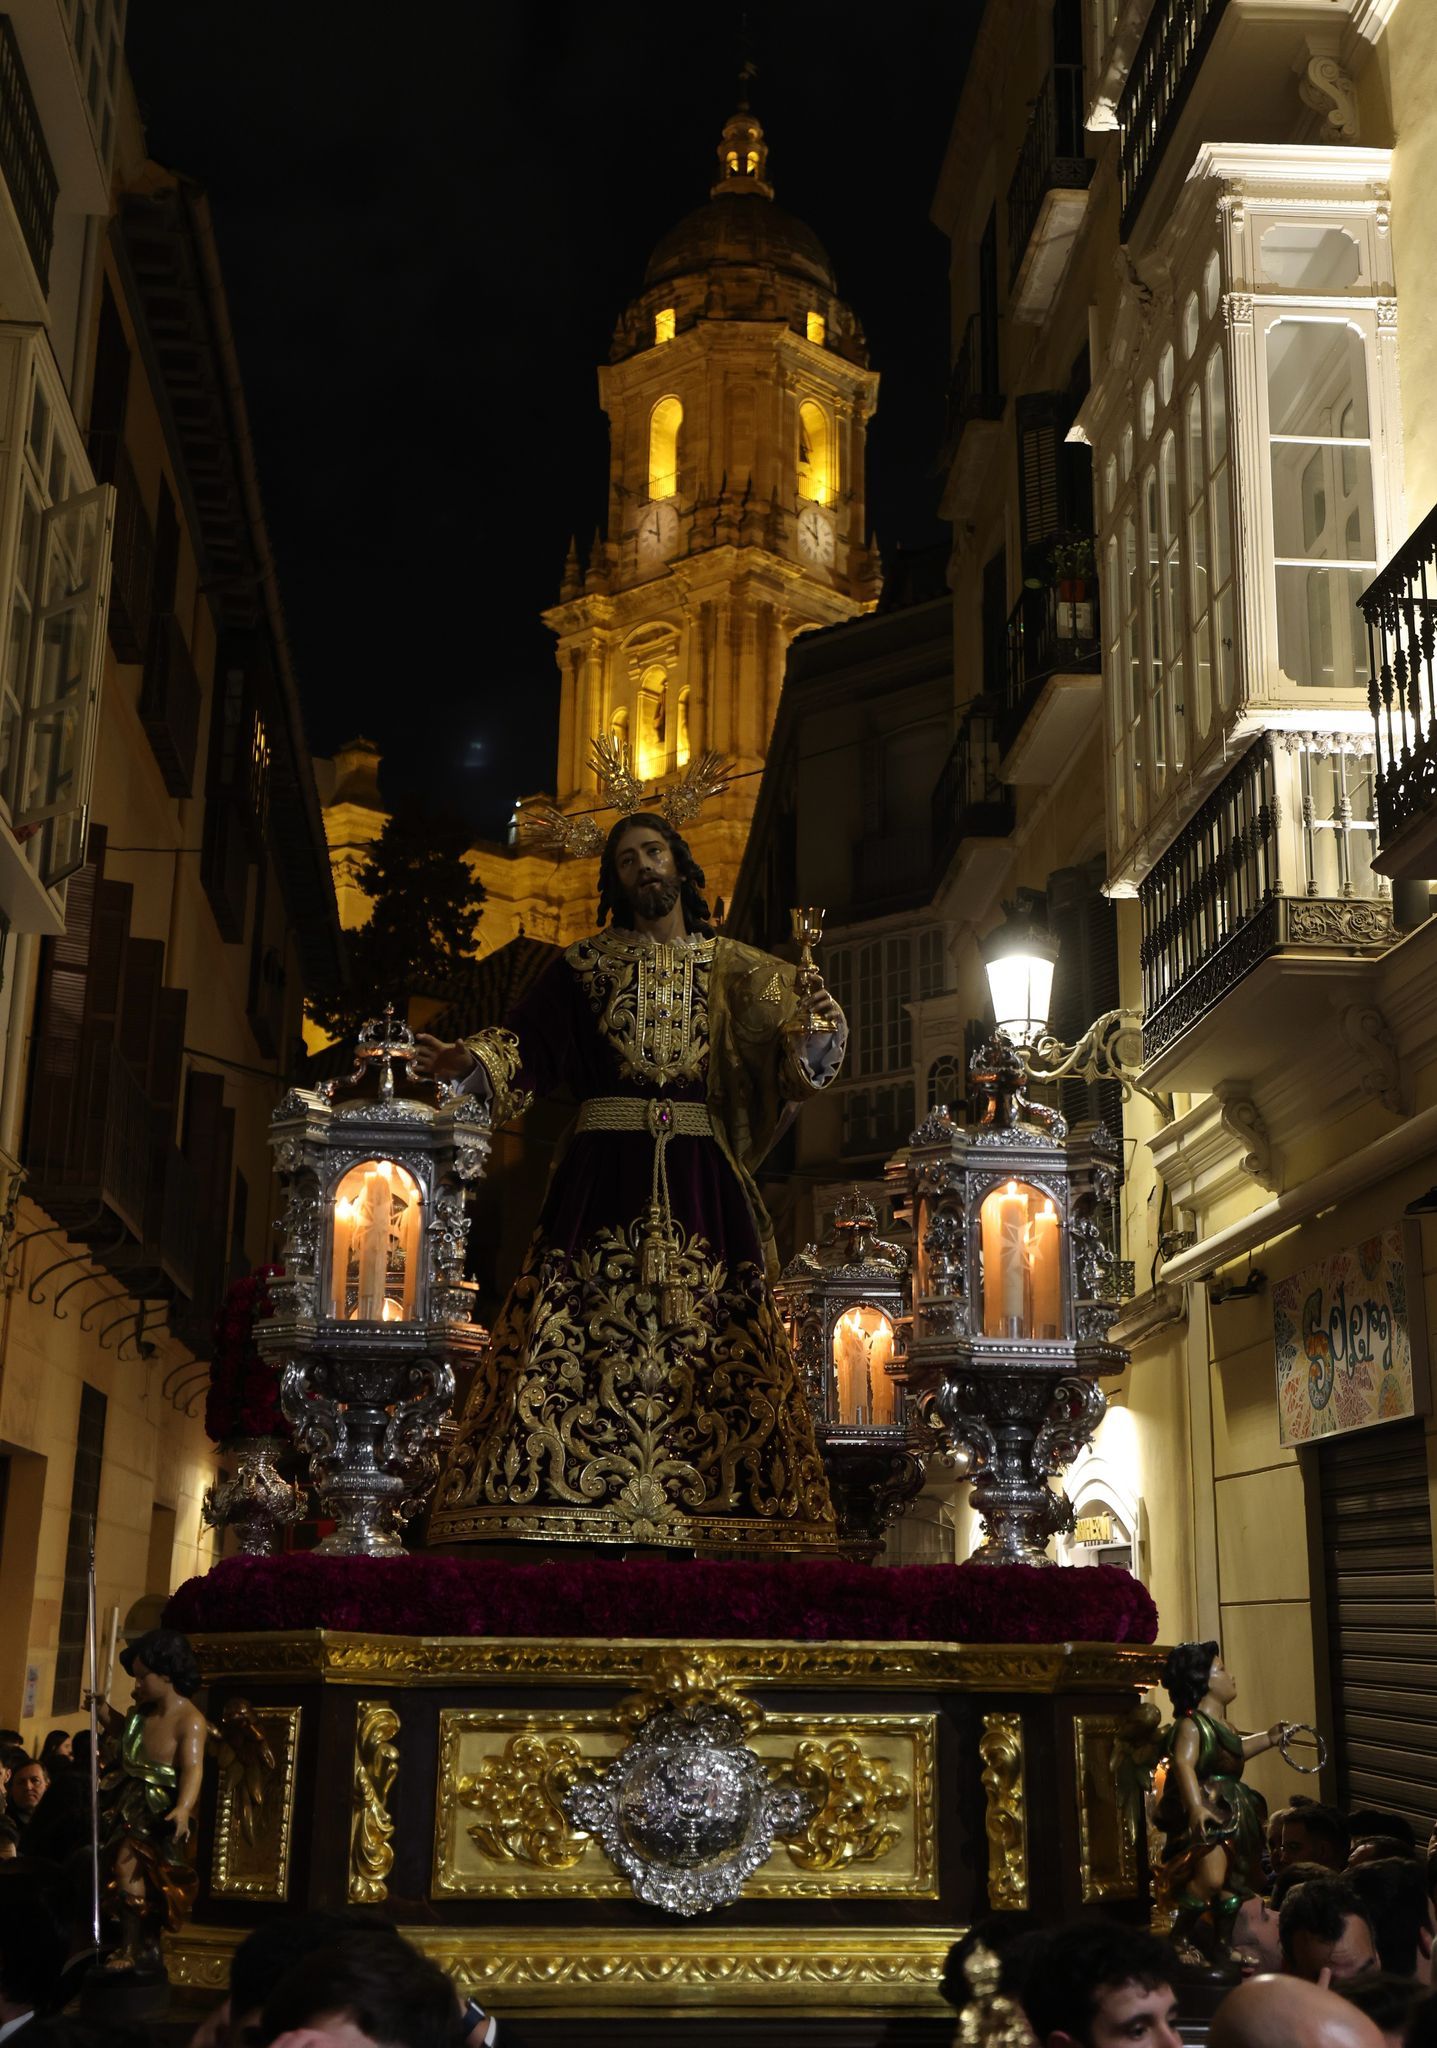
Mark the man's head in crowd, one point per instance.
(1289, 1879)
(1102, 1986)
(1394, 1891)
(1388, 2001)
(1312, 1834)
(267, 1955)
(1255, 1943)
(28, 1785)
(1284, 2012)
(361, 1990)
(1369, 1824)
(1324, 1926)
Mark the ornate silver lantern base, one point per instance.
(253, 1497)
(874, 1476)
(371, 1427)
(1022, 1428)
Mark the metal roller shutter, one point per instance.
(1381, 1620)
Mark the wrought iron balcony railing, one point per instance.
(1051, 158)
(1052, 630)
(24, 159)
(170, 703)
(973, 392)
(970, 801)
(1162, 75)
(1401, 612)
(1263, 866)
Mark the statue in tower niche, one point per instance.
(639, 1387)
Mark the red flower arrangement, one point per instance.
(243, 1399)
(797, 1601)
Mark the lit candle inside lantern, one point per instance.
(1012, 1229)
(372, 1246)
(1047, 1286)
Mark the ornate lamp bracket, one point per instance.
(1111, 1049)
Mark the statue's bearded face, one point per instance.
(645, 868)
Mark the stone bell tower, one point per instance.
(738, 394)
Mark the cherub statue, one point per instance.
(1213, 1825)
(152, 1764)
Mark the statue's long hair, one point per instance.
(614, 905)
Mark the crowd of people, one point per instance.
(1336, 1953)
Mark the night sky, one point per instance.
(429, 217)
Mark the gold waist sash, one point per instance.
(662, 1266)
(652, 1114)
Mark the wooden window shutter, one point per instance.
(167, 1046)
(135, 1032)
(1040, 464)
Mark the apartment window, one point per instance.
(1302, 358)
(932, 963)
(945, 1080)
(84, 1501)
(54, 636)
(873, 985)
(97, 30)
(1323, 518)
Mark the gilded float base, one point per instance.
(654, 1973)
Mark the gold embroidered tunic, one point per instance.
(639, 1387)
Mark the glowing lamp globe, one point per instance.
(1018, 959)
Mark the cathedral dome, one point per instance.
(741, 228)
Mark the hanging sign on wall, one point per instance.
(1343, 1339)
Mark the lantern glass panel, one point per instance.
(862, 1352)
(375, 1258)
(1022, 1265)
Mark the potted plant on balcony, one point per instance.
(1073, 569)
(244, 1419)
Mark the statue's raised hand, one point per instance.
(441, 1059)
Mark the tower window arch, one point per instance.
(664, 423)
(651, 756)
(816, 454)
(619, 725)
(681, 733)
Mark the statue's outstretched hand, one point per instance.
(441, 1059)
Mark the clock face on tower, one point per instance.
(816, 541)
(658, 535)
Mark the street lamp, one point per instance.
(1019, 957)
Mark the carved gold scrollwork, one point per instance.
(376, 1764)
(1001, 1749)
(687, 1679)
(515, 1799)
(857, 1797)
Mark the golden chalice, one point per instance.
(807, 981)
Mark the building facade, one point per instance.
(164, 877)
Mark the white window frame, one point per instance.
(1211, 246)
(45, 473)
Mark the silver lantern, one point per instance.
(373, 1310)
(844, 1303)
(1015, 1287)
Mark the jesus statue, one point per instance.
(639, 1387)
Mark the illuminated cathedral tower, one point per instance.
(738, 394)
